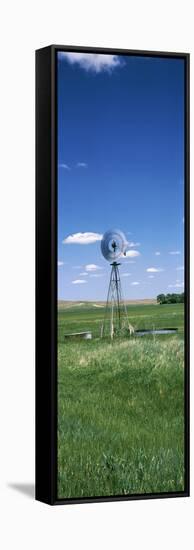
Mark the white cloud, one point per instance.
(96, 275)
(82, 165)
(83, 274)
(82, 238)
(177, 285)
(135, 283)
(126, 274)
(150, 276)
(154, 269)
(180, 268)
(174, 252)
(60, 263)
(131, 254)
(131, 244)
(65, 166)
(93, 61)
(92, 267)
(78, 282)
(157, 253)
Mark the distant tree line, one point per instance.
(171, 298)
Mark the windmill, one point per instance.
(113, 247)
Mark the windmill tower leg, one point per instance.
(109, 303)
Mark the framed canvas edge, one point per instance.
(51, 496)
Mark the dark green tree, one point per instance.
(160, 298)
(171, 298)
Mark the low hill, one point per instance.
(65, 304)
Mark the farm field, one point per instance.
(120, 404)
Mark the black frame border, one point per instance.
(46, 270)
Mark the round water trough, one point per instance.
(142, 332)
(80, 335)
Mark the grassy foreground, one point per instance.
(120, 413)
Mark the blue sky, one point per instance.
(120, 164)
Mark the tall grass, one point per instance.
(120, 417)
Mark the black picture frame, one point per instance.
(46, 273)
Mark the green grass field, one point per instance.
(120, 405)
